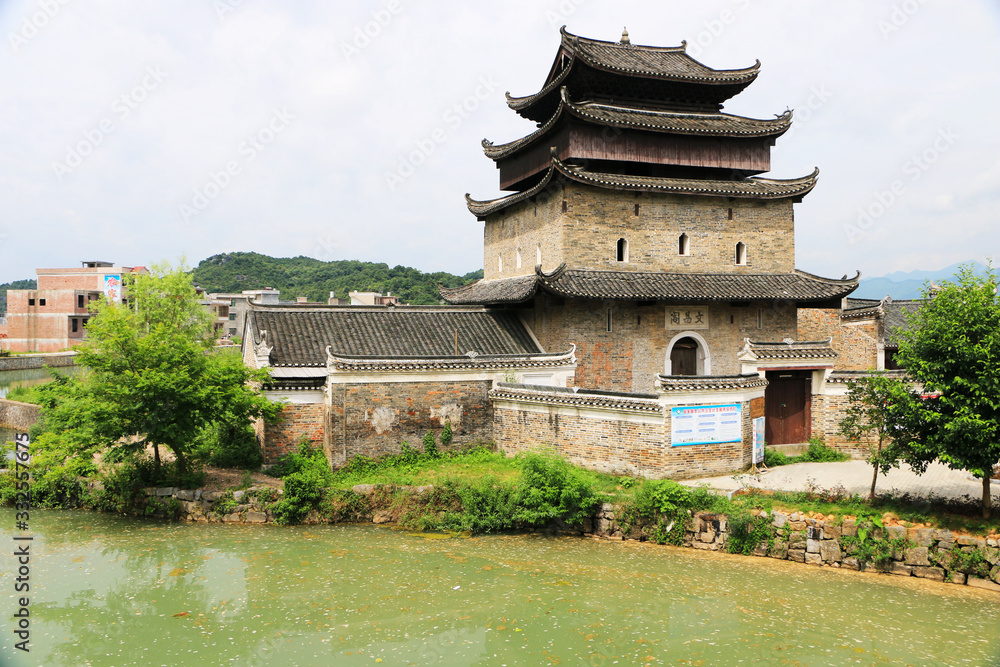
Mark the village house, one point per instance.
(53, 316)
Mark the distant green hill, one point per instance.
(909, 285)
(304, 276)
(17, 284)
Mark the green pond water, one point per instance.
(33, 376)
(113, 591)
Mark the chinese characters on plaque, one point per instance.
(687, 317)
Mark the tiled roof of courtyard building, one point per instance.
(668, 383)
(608, 115)
(299, 336)
(747, 188)
(892, 312)
(895, 318)
(669, 64)
(574, 396)
(442, 363)
(790, 349)
(799, 287)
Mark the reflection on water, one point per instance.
(32, 376)
(110, 591)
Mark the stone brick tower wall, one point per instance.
(585, 235)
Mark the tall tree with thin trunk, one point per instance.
(952, 346)
(882, 417)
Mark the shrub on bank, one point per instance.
(817, 452)
(307, 474)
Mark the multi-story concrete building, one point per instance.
(53, 317)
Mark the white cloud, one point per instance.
(324, 178)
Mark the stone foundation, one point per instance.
(23, 362)
(18, 416)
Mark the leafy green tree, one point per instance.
(952, 346)
(883, 418)
(152, 375)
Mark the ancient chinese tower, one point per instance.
(638, 227)
(638, 310)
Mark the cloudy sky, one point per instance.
(137, 132)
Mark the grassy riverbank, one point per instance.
(481, 490)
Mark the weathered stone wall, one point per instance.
(828, 410)
(632, 445)
(18, 416)
(816, 541)
(585, 235)
(855, 341)
(532, 228)
(283, 435)
(628, 357)
(373, 419)
(23, 362)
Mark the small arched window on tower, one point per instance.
(518, 258)
(538, 255)
(500, 263)
(683, 245)
(741, 253)
(622, 251)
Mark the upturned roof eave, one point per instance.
(751, 188)
(571, 44)
(771, 127)
(726, 287)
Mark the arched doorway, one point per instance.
(684, 357)
(687, 354)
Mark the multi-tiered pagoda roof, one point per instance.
(651, 75)
(630, 118)
(640, 110)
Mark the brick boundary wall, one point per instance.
(613, 439)
(283, 435)
(375, 418)
(830, 408)
(18, 416)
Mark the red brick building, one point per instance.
(53, 316)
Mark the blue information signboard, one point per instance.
(706, 424)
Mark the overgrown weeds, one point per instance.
(817, 452)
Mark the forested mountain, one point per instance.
(314, 279)
(17, 284)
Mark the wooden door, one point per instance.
(786, 407)
(684, 357)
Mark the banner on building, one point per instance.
(706, 424)
(758, 440)
(113, 288)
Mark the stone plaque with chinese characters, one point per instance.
(687, 317)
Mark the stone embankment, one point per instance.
(244, 506)
(927, 553)
(24, 362)
(18, 416)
